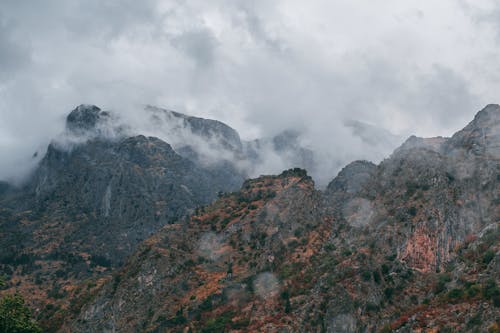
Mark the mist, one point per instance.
(328, 69)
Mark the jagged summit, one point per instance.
(491, 112)
(85, 117)
(480, 137)
(486, 120)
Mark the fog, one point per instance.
(354, 77)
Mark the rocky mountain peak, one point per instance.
(85, 118)
(486, 121)
(487, 116)
(480, 136)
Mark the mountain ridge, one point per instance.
(385, 248)
(120, 232)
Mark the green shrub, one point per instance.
(388, 292)
(219, 324)
(366, 275)
(174, 321)
(330, 247)
(100, 261)
(491, 291)
(346, 252)
(15, 317)
(441, 283)
(371, 307)
(206, 305)
(473, 290)
(474, 320)
(189, 263)
(455, 293)
(386, 329)
(240, 324)
(488, 256)
(285, 296)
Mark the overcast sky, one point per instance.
(411, 67)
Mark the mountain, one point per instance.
(377, 138)
(96, 194)
(408, 245)
(114, 191)
(103, 186)
(193, 137)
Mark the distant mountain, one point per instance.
(372, 135)
(409, 245)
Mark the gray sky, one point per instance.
(261, 66)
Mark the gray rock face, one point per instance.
(480, 137)
(126, 190)
(415, 177)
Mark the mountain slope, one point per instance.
(96, 194)
(409, 245)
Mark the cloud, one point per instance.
(260, 66)
(198, 45)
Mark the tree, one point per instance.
(15, 317)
